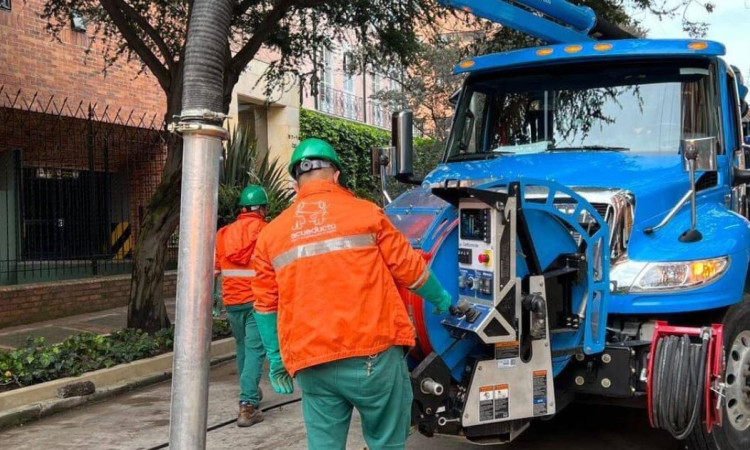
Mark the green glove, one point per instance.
(434, 293)
(280, 379)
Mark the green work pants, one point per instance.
(250, 351)
(378, 386)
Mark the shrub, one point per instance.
(38, 361)
(353, 142)
(242, 165)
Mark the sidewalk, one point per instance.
(140, 420)
(54, 331)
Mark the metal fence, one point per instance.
(353, 107)
(75, 179)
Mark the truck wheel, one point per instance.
(735, 432)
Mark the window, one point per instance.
(350, 99)
(326, 82)
(5, 4)
(377, 82)
(618, 107)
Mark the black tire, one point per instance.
(726, 437)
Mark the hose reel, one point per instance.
(685, 385)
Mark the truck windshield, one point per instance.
(640, 108)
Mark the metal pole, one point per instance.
(193, 319)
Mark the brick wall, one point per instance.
(44, 301)
(34, 60)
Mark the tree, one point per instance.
(154, 32)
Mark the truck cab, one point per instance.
(592, 196)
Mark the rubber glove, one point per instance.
(434, 293)
(281, 381)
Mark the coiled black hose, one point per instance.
(678, 384)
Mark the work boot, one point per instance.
(249, 415)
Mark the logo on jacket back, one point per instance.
(310, 218)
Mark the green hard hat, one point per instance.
(253, 195)
(313, 148)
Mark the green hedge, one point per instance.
(353, 142)
(85, 352)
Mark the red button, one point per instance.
(484, 258)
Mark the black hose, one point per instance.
(678, 384)
(205, 58)
(608, 30)
(231, 421)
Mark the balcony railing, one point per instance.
(353, 107)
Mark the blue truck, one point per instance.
(590, 219)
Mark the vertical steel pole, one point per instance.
(193, 319)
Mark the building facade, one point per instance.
(347, 95)
(82, 150)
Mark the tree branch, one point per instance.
(260, 33)
(242, 6)
(135, 42)
(148, 29)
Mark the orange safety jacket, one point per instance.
(331, 265)
(234, 249)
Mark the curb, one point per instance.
(40, 400)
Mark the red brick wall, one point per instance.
(34, 60)
(30, 303)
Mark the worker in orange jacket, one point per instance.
(234, 248)
(327, 304)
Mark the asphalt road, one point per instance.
(140, 420)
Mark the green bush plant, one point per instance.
(242, 164)
(38, 361)
(354, 143)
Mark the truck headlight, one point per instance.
(636, 276)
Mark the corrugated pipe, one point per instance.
(205, 58)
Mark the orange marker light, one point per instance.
(466, 64)
(544, 51)
(698, 45)
(602, 47)
(573, 49)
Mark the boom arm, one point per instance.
(554, 21)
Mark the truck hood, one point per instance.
(656, 181)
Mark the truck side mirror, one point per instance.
(702, 151)
(384, 160)
(402, 142)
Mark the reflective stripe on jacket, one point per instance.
(330, 265)
(234, 249)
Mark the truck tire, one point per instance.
(735, 432)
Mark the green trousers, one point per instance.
(378, 386)
(250, 351)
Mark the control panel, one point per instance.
(488, 295)
(476, 247)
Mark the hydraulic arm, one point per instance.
(553, 21)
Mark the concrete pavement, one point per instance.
(140, 420)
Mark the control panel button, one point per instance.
(484, 258)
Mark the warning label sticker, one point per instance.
(501, 401)
(540, 392)
(493, 402)
(486, 403)
(505, 350)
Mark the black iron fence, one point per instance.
(350, 106)
(75, 179)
